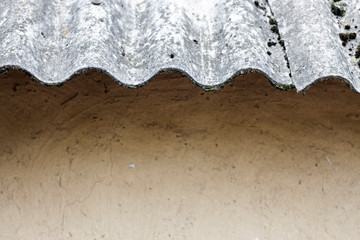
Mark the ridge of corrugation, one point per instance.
(210, 41)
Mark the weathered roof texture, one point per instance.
(294, 43)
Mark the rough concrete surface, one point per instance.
(94, 160)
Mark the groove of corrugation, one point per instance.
(293, 43)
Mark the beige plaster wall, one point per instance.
(93, 160)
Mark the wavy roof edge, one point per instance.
(5, 70)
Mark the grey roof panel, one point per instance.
(291, 42)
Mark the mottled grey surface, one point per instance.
(211, 41)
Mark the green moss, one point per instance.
(275, 29)
(270, 44)
(211, 88)
(272, 21)
(352, 35)
(338, 10)
(344, 36)
(282, 43)
(357, 53)
(283, 86)
(3, 71)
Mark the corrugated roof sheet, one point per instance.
(294, 43)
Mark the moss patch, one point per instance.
(337, 10)
(357, 53)
(345, 37)
(270, 43)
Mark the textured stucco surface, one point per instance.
(94, 160)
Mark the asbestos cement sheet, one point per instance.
(294, 43)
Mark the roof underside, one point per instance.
(294, 43)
